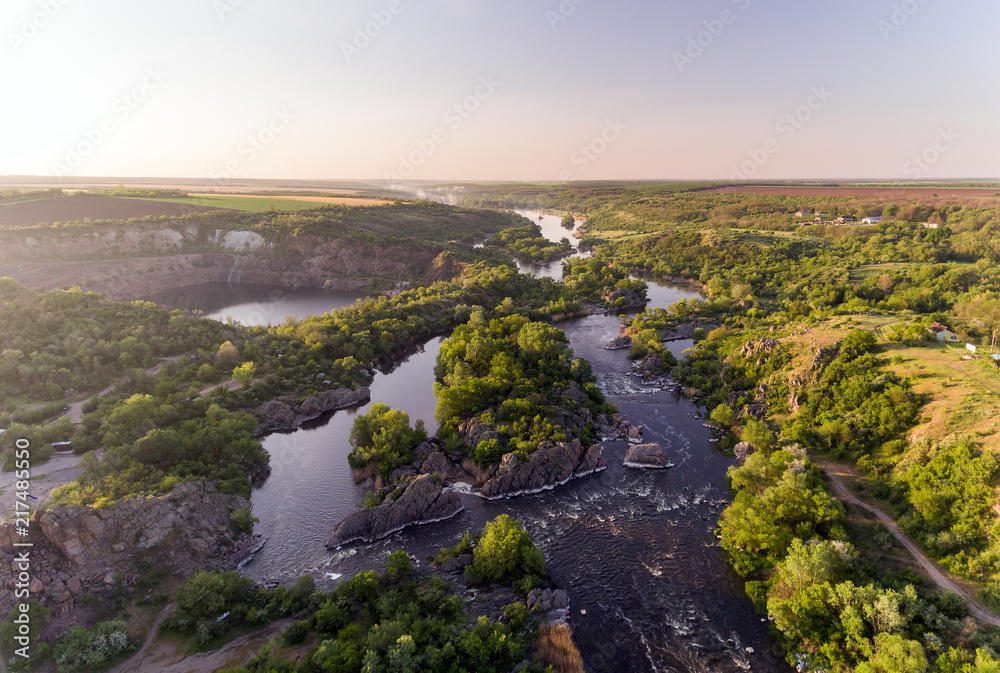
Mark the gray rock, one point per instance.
(465, 560)
(647, 456)
(422, 502)
(436, 462)
(549, 466)
(742, 451)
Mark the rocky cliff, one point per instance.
(85, 550)
(137, 261)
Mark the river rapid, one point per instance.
(635, 550)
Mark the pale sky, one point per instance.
(159, 88)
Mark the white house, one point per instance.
(943, 333)
(930, 225)
(871, 220)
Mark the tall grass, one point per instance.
(556, 648)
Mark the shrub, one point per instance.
(243, 520)
(296, 633)
(506, 552)
(84, 649)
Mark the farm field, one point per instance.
(253, 204)
(887, 193)
(95, 207)
(338, 200)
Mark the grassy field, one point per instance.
(961, 396)
(251, 204)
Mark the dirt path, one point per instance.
(146, 644)
(837, 473)
(75, 413)
(162, 656)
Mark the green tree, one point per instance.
(759, 435)
(245, 373)
(383, 436)
(895, 654)
(723, 415)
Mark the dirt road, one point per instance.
(837, 473)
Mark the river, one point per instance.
(634, 549)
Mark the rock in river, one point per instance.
(647, 457)
(549, 466)
(422, 502)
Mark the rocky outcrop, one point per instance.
(423, 501)
(549, 466)
(622, 297)
(685, 331)
(647, 457)
(634, 434)
(475, 431)
(437, 463)
(619, 343)
(758, 348)
(820, 361)
(548, 600)
(280, 414)
(742, 451)
(85, 550)
(185, 525)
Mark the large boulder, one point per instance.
(647, 457)
(436, 462)
(274, 415)
(549, 466)
(423, 501)
(619, 343)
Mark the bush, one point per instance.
(399, 567)
(243, 521)
(464, 546)
(506, 552)
(86, 649)
(296, 633)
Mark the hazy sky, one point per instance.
(501, 89)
